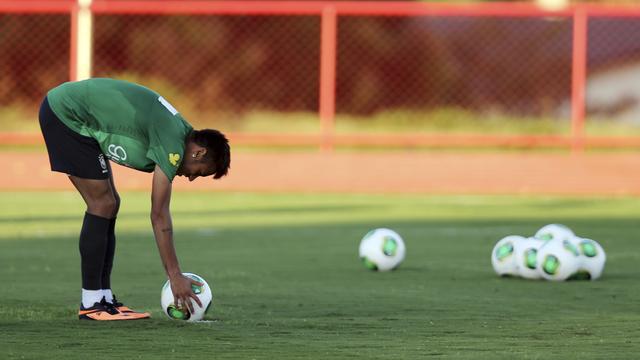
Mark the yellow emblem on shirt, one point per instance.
(174, 158)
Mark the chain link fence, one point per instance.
(445, 72)
(215, 67)
(394, 73)
(613, 89)
(34, 57)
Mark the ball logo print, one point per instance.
(196, 289)
(550, 264)
(177, 313)
(531, 258)
(588, 249)
(504, 251)
(570, 247)
(117, 152)
(526, 255)
(390, 246)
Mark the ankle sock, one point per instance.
(90, 297)
(108, 295)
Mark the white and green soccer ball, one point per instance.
(592, 258)
(526, 255)
(558, 260)
(503, 255)
(183, 313)
(382, 249)
(554, 231)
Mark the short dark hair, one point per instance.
(217, 149)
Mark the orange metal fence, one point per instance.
(344, 59)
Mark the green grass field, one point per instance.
(287, 282)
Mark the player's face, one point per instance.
(195, 163)
(194, 169)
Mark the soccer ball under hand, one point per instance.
(180, 313)
(382, 249)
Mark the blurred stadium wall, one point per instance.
(345, 74)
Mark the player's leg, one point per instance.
(111, 246)
(97, 243)
(109, 297)
(101, 206)
(80, 157)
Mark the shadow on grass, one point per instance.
(201, 213)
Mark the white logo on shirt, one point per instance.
(166, 104)
(117, 152)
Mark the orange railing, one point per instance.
(330, 12)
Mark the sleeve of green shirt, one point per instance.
(167, 134)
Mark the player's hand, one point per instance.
(182, 292)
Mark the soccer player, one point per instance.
(87, 123)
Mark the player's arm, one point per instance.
(163, 231)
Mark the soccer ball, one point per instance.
(179, 313)
(382, 249)
(503, 256)
(526, 257)
(554, 231)
(592, 258)
(558, 260)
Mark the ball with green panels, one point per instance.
(554, 231)
(503, 255)
(558, 260)
(591, 260)
(382, 249)
(526, 257)
(183, 313)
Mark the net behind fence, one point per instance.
(475, 75)
(34, 57)
(445, 72)
(613, 89)
(215, 68)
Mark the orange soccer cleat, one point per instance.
(101, 313)
(125, 310)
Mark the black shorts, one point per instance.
(70, 152)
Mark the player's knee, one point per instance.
(104, 206)
(117, 206)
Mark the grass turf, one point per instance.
(287, 282)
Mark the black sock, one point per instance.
(108, 259)
(93, 245)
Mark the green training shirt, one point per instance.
(135, 126)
